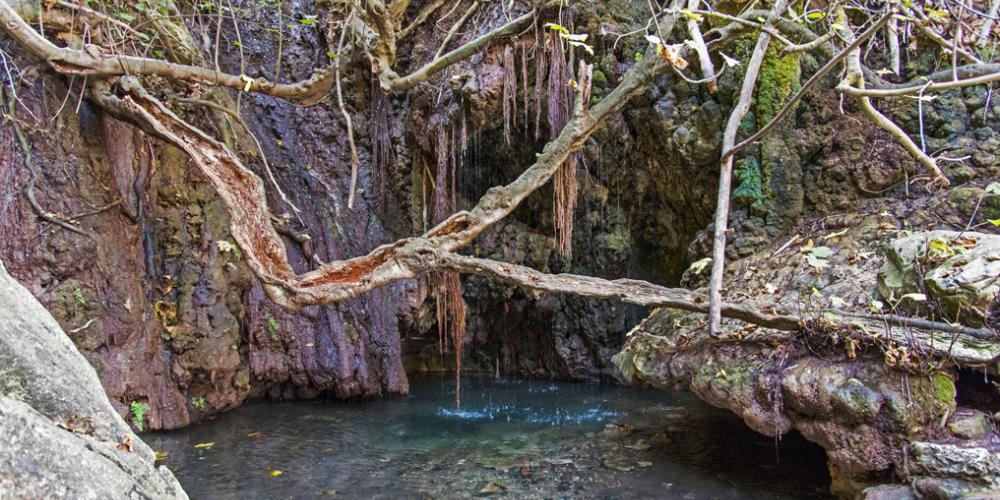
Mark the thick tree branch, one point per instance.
(243, 193)
(93, 62)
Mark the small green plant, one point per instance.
(272, 326)
(78, 295)
(198, 402)
(138, 412)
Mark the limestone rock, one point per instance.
(970, 425)
(949, 461)
(59, 435)
(961, 271)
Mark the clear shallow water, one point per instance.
(514, 438)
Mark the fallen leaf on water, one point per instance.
(253, 434)
(126, 444)
(275, 473)
(492, 488)
(160, 455)
(204, 445)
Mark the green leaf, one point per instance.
(821, 252)
(556, 27)
(916, 297)
(692, 15)
(995, 222)
(588, 48)
(941, 246)
(815, 16)
(698, 266)
(993, 188)
(574, 38)
(639, 56)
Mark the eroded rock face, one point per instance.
(883, 410)
(59, 435)
(959, 270)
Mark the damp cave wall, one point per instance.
(168, 319)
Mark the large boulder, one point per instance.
(958, 271)
(59, 435)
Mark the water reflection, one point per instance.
(510, 438)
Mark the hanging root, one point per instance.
(382, 155)
(540, 69)
(509, 93)
(560, 98)
(446, 286)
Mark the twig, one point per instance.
(421, 17)
(355, 163)
(806, 87)
(455, 27)
(84, 327)
(855, 78)
(29, 162)
(707, 69)
(987, 28)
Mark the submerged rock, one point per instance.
(59, 435)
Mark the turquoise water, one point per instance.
(509, 439)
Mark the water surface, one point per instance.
(509, 439)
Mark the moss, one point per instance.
(778, 80)
(599, 78)
(944, 389)
(751, 185)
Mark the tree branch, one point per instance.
(807, 87)
(726, 170)
(854, 77)
(974, 346)
(93, 62)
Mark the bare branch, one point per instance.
(707, 69)
(726, 170)
(928, 86)
(855, 78)
(961, 344)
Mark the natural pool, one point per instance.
(511, 438)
